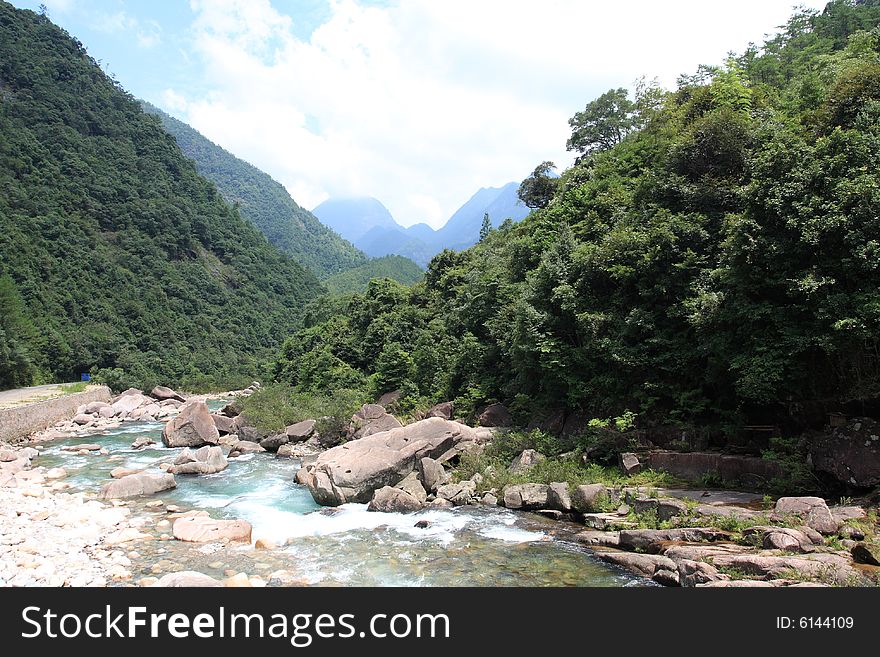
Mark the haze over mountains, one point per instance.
(369, 225)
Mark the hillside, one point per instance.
(114, 251)
(265, 203)
(713, 264)
(397, 268)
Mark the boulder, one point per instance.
(629, 463)
(652, 540)
(187, 579)
(389, 398)
(142, 483)
(162, 394)
(82, 447)
(813, 510)
(369, 420)
(204, 529)
(128, 402)
(527, 459)
(393, 500)
(866, 554)
(83, 419)
(205, 460)
(130, 391)
(589, 498)
(231, 410)
(352, 471)
(224, 424)
(432, 474)
(95, 407)
(193, 427)
(245, 447)
(850, 454)
(457, 494)
(297, 433)
(558, 497)
(107, 412)
(246, 432)
(645, 565)
(119, 473)
(413, 487)
(272, 443)
(666, 508)
(142, 441)
(527, 497)
(693, 573)
(495, 415)
(443, 410)
(781, 538)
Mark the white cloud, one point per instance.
(423, 102)
(114, 23)
(174, 102)
(149, 34)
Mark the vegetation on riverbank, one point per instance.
(115, 255)
(714, 265)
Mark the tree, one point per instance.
(16, 368)
(537, 190)
(486, 228)
(603, 124)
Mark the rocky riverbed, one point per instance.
(156, 490)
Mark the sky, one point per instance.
(418, 103)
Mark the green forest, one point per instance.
(397, 268)
(266, 204)
(116, 256)
(711, 259)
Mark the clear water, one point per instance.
(348, 546)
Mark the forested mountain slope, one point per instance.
(397, 268)
(712, 257)
(265, 203)
(114, 251)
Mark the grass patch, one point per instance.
(73, 388)
(274, 407)
(497, 475)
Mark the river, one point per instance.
(348, 546)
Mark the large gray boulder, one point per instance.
(162, 393)
(851, 453)
(205, 460)
(203, 529)
(353, 470)
(393, 500)
(297, 433)
(432, 474)
(128, 402)
(142, 483)
(813, 510)
(495, 415)
(369, 420)
(528, 497)
(526, 460)
(589, 498)
(225, 425)
(193, 427)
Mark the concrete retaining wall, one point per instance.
(730, 469)
(21, 421)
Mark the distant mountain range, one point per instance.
(368, 224)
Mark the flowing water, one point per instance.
(348, 546)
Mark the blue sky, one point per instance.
(416, 102)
